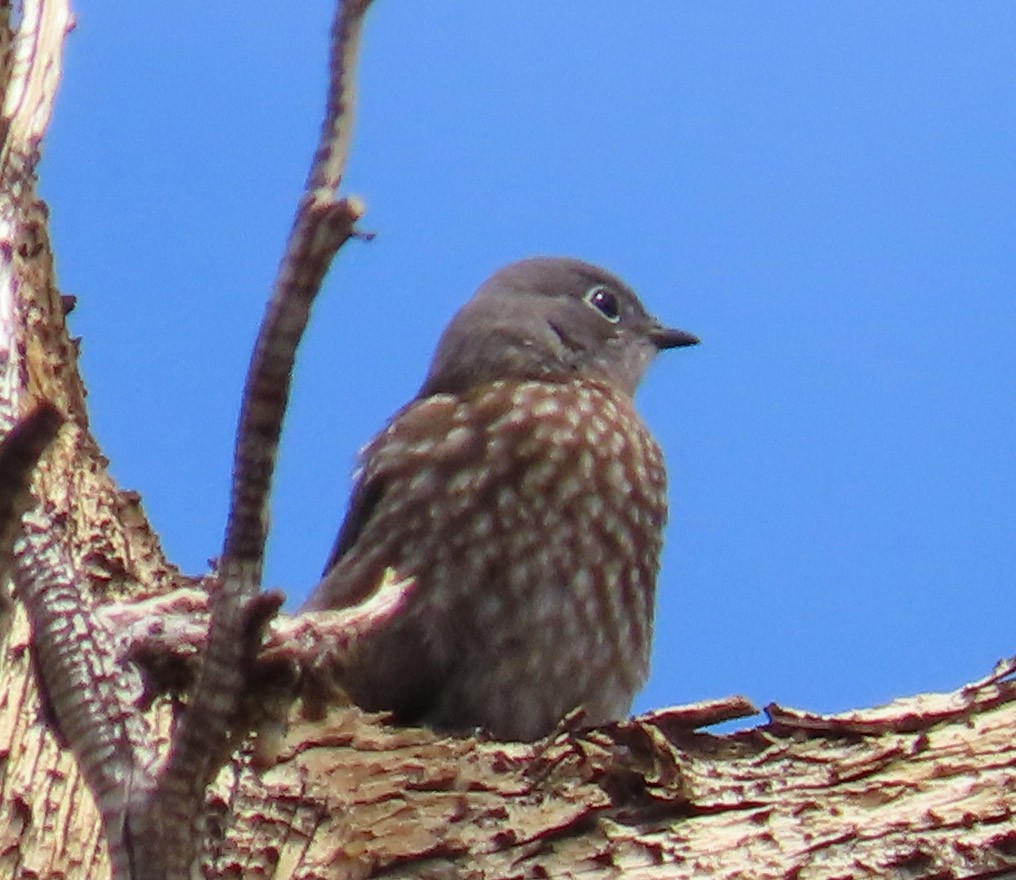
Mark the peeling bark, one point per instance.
(352, 799)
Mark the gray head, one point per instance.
(552, 319)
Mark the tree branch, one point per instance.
(91, 695)
(927, 797)
(207, 732)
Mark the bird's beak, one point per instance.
(670, 337)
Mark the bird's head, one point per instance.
(551, 319)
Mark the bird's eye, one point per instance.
(604, 300)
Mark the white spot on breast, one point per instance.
(596, 429)
(489, 607)
(546, 407)
(515, 417)
(462, 483)
(455, 442)
(570, 486)
(506, 499)
(594, 506)
(422, 447)
(423, 482)
(482, 525)
(583, 582)
(617, 478)
(538, 477)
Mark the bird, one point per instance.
(527, 500)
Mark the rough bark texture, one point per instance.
(48, 825)
(354, 799)
(922, 789)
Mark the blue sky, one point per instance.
(825, 193)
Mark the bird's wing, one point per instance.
(367, 492)
(399, 451)
(337, 590)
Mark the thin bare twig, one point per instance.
(80, 677)
(321, 226)
(90, 699)
(90, 695)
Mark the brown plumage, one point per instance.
(524, 494)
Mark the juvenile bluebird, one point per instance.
(522, 492)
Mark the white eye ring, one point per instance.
(604, 300)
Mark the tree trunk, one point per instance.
(924, 788)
